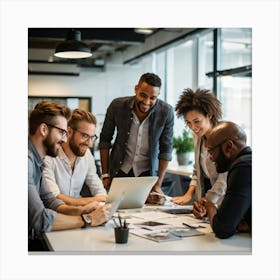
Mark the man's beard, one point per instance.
(222, 164)
(50, 147)
(75, 149)
(138, 104)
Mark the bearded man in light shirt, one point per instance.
(74, 166)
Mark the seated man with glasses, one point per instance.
(74, 166)
(47, 132)
(233, 155)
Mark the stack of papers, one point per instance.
(165, 234)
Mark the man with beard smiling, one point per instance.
(143, 143)
(47, 132)
(74, 166)
(231, 154)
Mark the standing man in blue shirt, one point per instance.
(47, 131)
(143, 143)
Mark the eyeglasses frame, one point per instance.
(211, 150)
(85, 136)
(63, 132)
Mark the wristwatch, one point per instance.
(105, 175)
(87, 219)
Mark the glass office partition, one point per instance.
(236, 89)
(181, 60)
(185, 63)
(237, 102)
(236, 47)
(160, 69)
(205, 60)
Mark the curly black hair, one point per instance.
(201, 100)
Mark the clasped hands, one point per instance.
(201, 207)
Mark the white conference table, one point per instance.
(101, 240)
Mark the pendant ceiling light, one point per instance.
(72, 47)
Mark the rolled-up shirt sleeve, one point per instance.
(108, 128)
(92, 180)
(49, 180)
(217, 192)
(40, 218)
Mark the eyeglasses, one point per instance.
(85, 136)
(210, 151)
(61, 130)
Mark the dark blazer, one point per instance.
(119, 116)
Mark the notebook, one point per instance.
(134, 191)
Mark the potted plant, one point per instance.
(184, 146)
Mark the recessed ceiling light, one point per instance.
(145, 31)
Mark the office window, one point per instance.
(235, 88)
(236, 101)
(189, 63)
(180, 65)
(160, 62)
(205, 60)
(236, 47)
(181, 60)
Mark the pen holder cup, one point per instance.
(121, 235)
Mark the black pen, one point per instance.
(124, 224)
(146, 228)
(189, 226)
(194, 227)
(120, 220)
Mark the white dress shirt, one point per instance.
(60, 179)
(137, 152)
(204, 166)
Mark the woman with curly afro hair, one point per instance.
(201, 111)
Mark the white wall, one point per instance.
(117, 80)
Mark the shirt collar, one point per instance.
(63, 156)
(37, 157)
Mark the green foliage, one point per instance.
(183, 143)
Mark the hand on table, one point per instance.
(100, 215)
(181, 200)
(154, 198)
(86, 209)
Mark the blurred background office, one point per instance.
(219, 59)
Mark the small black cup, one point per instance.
(121, 235)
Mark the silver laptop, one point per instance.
(134, 191)
(115, 204)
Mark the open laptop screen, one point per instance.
(135, 190)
